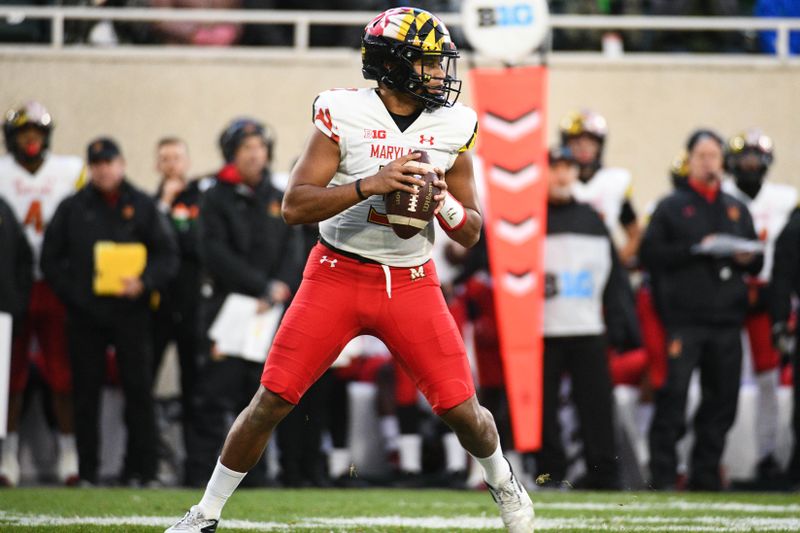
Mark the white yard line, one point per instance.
(609, 523)
(625, 505)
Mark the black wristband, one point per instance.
(358, 189)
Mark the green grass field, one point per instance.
(374, 510)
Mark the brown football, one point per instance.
(409, 213)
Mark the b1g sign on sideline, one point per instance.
(504, 29)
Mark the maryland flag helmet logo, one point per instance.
(410, 50)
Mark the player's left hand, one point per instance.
(442, 185)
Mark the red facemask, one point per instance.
(32, 149)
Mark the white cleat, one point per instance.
(194, 522)
(516, 507)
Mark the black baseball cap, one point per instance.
(102, 149)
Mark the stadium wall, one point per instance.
(138, 98)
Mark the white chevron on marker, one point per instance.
(517, 233)
(514, 181)
(519, 285)
(512, 129)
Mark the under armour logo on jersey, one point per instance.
(326, 260)
(423, 140)
(417, 273)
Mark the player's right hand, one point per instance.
(395, 176)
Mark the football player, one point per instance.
(360, 277)
(34, 181)
(749, 156)
(607, 189)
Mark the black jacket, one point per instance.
(16, 264)
(85, 218)
(785, 280)
(243, 241)
(183, 292)
(616, 296)
(694, 289)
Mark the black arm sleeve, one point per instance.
(23, 271)
(627, 214)
(619, 307)
(221, 261)
(755, 266)
(785, 269)
(55, 256)
(162, 252)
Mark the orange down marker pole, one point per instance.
(511, 106)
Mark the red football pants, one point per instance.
(341, 298)
(45, 320)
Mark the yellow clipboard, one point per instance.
(115, 261)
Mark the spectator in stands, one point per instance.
(19, 29)
(701, 295)
(245, 248)
(33, 180)
(713, 41)
(588, 307)
(785, 286)
(176, 318)
(198, 33)
(110, 210)
(778, 8)
(582, 39)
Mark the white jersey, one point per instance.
(770, 210)
(35, 197)
(368, 138)
(606, 192)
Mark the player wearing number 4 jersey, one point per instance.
(34, 181)
(363, 279)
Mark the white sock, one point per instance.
(11, 445)
(339, 462)
(496, 470)
(454, 454)
(410, 453)
(220, 487)
(390, 431)
(66, 443)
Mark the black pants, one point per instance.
(223, 390)
(178, 322)
(299, 437)
(794, 465)
(585, 359)
(717, 352)
(88, 343)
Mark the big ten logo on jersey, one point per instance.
(569, 284)
(374, 134)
